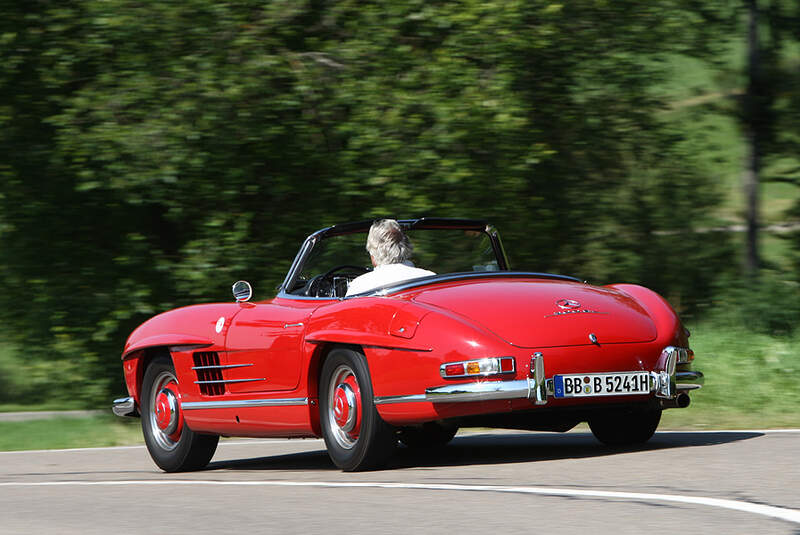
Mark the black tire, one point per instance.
(356, 437)
(427, 436)
(625, 428)
(177, 450)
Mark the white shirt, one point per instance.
(386, 274)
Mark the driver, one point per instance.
(390, 251)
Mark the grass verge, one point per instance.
(61, 433)
(752, 381)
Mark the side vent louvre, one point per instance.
(209, 373)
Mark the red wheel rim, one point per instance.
(344, 407)
(166, 417)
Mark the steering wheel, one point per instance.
(323, 283)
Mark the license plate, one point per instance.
(601, 384)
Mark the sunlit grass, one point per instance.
(752, 381)
(60, 433)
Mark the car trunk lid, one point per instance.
(535, 313)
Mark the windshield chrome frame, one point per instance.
(362, 227)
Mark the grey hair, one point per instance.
(387, 243)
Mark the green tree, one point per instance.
(158, 152)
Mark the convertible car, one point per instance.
(477, 344)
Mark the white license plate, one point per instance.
(601, 384)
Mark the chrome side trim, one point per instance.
(413, 350)
(388, 400)
(221, 367)
(244, 403)
(393, 348)
(226, 381)
(287, 325)
(125, 407)
(188, 347)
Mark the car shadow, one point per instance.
(307, 460)
(531, 447)
(495, 448)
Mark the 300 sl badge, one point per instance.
(570, 306)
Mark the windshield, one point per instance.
(336, 260)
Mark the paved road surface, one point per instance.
(494, 482)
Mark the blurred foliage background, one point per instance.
(151, 153)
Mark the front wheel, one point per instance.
(625, 428)
(355, 435)
(172, 445)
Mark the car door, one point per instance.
(264, 348)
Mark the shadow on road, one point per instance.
(307, 460)
(527, 447)
(495, 448)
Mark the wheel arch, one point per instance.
(136, 363)
(315, 363)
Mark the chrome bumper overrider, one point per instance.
(686, 381)
(125, 407)
(667, 384)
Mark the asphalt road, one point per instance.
(493, 482)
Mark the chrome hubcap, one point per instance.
(344, 407)
(166, 419)
(166, 409)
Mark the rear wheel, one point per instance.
(427, 435)
(172, 445)
(355, 435)
(625, 428)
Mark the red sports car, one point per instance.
(474, 345)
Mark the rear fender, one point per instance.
(668, 324)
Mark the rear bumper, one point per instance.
(125, 407)
(537, 390)
(685, 381)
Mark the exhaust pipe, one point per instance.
(680, 402)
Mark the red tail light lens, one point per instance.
(478, 368)
(454, 370)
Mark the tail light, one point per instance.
(478, 367)
(685, 355)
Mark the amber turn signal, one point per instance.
(480, 367)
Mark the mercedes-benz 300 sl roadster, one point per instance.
(411, 362)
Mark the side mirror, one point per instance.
(242, 291)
